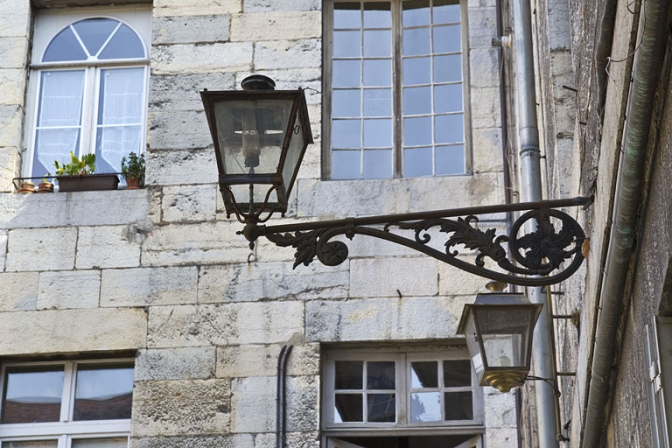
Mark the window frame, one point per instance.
(66, 429)
(48, 24)
(397, 92)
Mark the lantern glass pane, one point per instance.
(474, 346)
(294, 153)
(258, 192)
(505, 333)
(251, 134)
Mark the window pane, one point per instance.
(114, 442)
(348, 408)
(347, 44)
(347, 73)
(377, 15)
(424, 374)
(103, 392)
(377, 43)
(378, 73)
(31, 444)
(459, 406)
(113, 143)
(450, 160)
(415, 13)
(346, 134)
(380, 375)
(64, 47)
(124, 44)
(417, 162)
(121, 99)
(417, 131)
(61, 95)
(347, 15)
(416, 41)
(381, 408)
(94, 33)
(346, 103)
(378, 164)
(446, 11)
(377, 102)
(377, 133)
(53, 144)
(426, 407)
(348, 374)
(448, 98)
(447, 39)
(417, 100)
(457, 373)
(417, 71)
(449, 129)
(345, 164)
(33, 394)
(448, 68)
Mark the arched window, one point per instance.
(91, 95)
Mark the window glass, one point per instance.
(103, 392)
(382, 408)
(349, 375)
(64, 47)
(124, 44)
(114, 442)
(94, 33)
(32, 394)
(31, 444)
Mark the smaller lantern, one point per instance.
(498, 327)
(260, 136)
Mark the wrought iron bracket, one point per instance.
(538, 253)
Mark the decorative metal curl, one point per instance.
(544, 255)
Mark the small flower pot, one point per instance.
(132, 183)
(45, 187)
(26, 188)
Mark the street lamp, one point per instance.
(260, 135)
(498, 328)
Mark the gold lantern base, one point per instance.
(504, 380)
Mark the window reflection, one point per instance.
(103, 392)
(33, 395)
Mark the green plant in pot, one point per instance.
(133, 169)
(46, 186)
(76, 167)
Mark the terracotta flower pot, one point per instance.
(45, 187)
(132, 183)
(27, 187)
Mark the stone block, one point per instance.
(488, 150)
(180, 92)
(181, 167)
(271, 281)
(281, 5)
(11, 120)
(189, 203)
(168, 408)
(201, 58)
(231, 324)
(14, 52)
(52, 331)
(291, 79)
(453, 281)
(394, 277)
(41, 249)
(500, 408)
(482, 28)
(68, 289)
(310, 439)
(3, 249)
(106, 247)
(179, 130)
(501, 437)
(190, 29)
(18, 291)
(262, 360)
(484, 68)
(10, 167)
(384, 319)
(485, 108)
(175, 364)
(15, 18)
(85, 208)
(481, 3)
(283, 25)
(148, 286)
(14, 86)
(204, 7)
(251, 398)
(285, 54)
(225, 441)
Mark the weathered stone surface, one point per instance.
(68, 289)
(11, 117)
(205, 7)
(3, 249)
(393, 277)
(281, 5)
(18, 291)
(15, 18)
(175, 364)
(180, 92)
(384, 319)
(190, 29)
(305, 53)
(501, 437)
(10, 167)
(41, 249)
(167, 408)
(97, 329)
(149, 286)
(179, 130)
(251, 398)
(106, 247)
(240, 323)
(14, 85)
(14, 52)
(85, 208)
(227, 57)
(181, 167)
(309, 439)
(482, 29)
(193, 203)
(453, 281)
(262, 360)
(264, 281)
(226, 441)
(500, 409)
(265, 26)
(487, 150)
(485, 108)
(484, 63)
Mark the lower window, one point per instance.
(73, 404)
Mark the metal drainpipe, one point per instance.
(645, 76)
(530, 169)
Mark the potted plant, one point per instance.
(133, 170)
(78, 175)
(45, 186)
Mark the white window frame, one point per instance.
(65, 430)
(659, 368)
(48, 23)
(397, 92)
(402, 360)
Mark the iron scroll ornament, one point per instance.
(544, 256)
